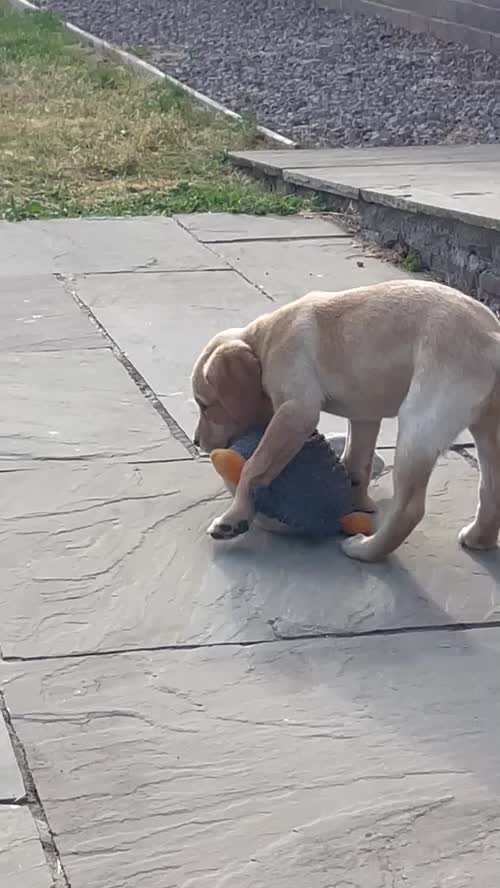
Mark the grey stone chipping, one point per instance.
(318, 76)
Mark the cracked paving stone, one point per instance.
(79, 246)
(359, 762)
(113, 557)
(74, 405)
(22, 861)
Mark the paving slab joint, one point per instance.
(211, 246)
(33, 802)
(314, 634)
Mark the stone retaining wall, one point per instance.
(474, 22)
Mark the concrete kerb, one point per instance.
(307, 180)
(144, 69)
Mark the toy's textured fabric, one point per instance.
(313, 492)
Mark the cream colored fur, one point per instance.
(413, 349)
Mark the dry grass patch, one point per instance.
(82, 136)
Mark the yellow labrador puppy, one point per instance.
(415, 349)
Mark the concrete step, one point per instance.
(441, 202)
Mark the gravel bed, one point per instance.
(318, 76)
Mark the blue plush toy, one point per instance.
(312, 496)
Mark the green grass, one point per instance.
(82, 136)
(412, 262)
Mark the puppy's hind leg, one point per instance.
(483, 532)
(427, 426)
(358, 460)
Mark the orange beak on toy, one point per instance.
(228, 464)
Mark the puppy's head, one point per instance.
(227, 386)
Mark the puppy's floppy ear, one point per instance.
(234, 372)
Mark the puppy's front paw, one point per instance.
(223, 529)
(357, 547)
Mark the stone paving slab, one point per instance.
(36, 314)
(78, 246)
(278, 160)
(119, 559)
(77, 404)
(361, 762)
(287, 270)
(215, 227)
(162, 321)
(11, 782)
(105, 555)
(22, 861)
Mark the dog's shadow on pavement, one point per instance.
(311, 588)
